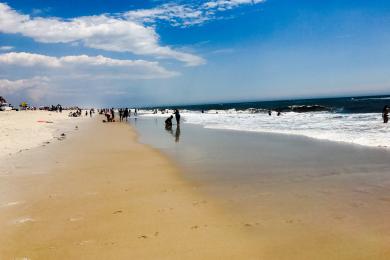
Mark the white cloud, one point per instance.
(90, 66)
(184, 15)
(6, 48)
(100, 32)
(34, 87)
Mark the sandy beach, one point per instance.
(99, 194)
(23, 130)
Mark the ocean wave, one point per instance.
(363, 129)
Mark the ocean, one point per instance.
(355, 120)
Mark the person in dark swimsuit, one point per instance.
(385, 114)
(168, 122)
(177, 116)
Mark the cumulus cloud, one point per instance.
(35, 87)
(91, 66)
(111, 33)
(190, 14)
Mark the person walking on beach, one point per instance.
(177, 116)
(385, 114)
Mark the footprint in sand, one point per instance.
(74, 219)
(85, 242)
(11, 203)
(23, 220)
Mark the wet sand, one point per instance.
(99, 194)
(301, 198)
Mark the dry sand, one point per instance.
(101, 195)
(22, 130)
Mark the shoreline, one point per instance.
(114, 199)
(300, 191)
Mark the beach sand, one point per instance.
(99, 194)
(23, 130)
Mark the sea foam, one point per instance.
(365, 129)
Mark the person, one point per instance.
(112, 114)
(168, 122)
(177, 116)
(126, 113)
(120, 114)
(108, 117)
(269, 112)
(86, 112)
(90, 112)
(279, 113)
(385, 114)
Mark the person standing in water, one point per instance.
(177, 116)
(120, 114)
(126, 113)
(385, 114)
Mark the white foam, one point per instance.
(362, 129)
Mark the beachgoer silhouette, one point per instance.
(168, 122)
(177, 116)
(112, 114)
(120, 114)
(126, 113)
(385, 114)
(269, 112)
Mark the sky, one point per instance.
(152, 52)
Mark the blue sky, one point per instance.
(108, 53)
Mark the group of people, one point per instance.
(168, 121)
(124, 114)
(78, 112)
